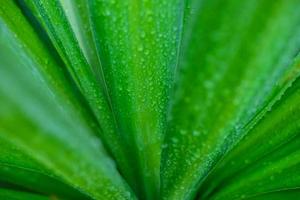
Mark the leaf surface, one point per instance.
(8, 194)
(22, 170)
(278, 195)
(137, 42)
(236, 63)
(273, 162)
(38, 120)
(78, 16)
(50, 15)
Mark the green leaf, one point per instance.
(137, 42)
(236, 63)
(49, 64)
(278, 195)
(49, 14)
(16, 167)
(8, 194)
(191, 99)
(39, 121)
(273, 163)
(78, 15)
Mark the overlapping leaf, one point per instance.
(71, 71)
(16, 167)
(44, 124)
(132, 120)
(236, 63)
(267, 157)
(137, 42)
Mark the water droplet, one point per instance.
(196, 133)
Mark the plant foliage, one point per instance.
(149, 99)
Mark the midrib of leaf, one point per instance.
(137, 57)
(48, 12)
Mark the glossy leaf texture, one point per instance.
(53, 141)
(191, 99)
(236, 63)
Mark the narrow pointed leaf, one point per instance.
(273, 162)
(50, 14)
(49, 130)
(16, 167)
(46, 60)
(79, 17)
(138, 42)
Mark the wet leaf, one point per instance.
(38, 120)
(148, 99)
(235, 65)
(137, 43)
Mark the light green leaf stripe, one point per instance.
(47, 61)
(17, 166)
(78, 15)
(52, 17)
(236, 63)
